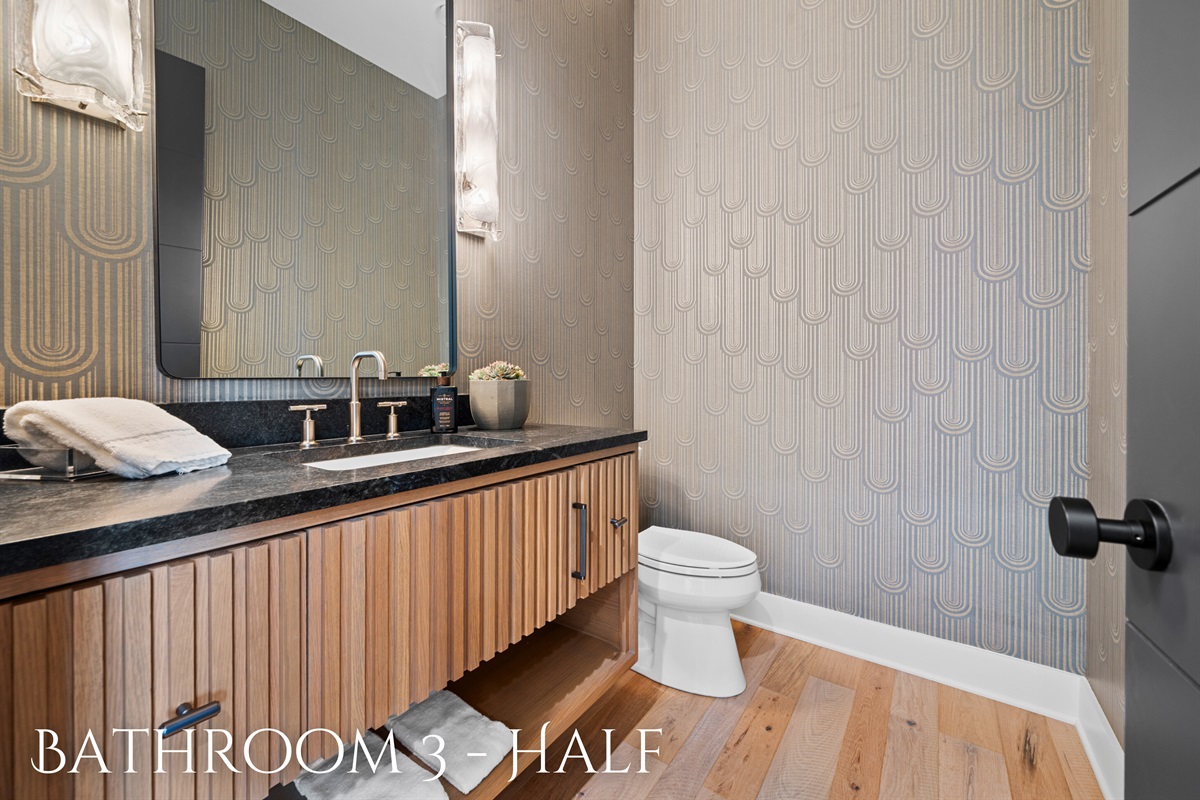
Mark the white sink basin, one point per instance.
(396, 457)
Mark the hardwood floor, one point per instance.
(816, 724)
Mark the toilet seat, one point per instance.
(697, 572)
(693, 554)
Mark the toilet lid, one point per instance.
(670, 547)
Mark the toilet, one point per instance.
(688, 582)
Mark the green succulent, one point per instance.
(433, 370)
(498, 371)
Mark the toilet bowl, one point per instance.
(688, 582)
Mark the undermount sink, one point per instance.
(396, 457)
(380, 452)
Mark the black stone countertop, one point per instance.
(43, 523)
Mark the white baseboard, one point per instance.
(1024, 684)
(1100, 743)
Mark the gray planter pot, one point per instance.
(499, 405)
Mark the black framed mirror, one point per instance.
(304, 201)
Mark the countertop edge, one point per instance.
(81, 544)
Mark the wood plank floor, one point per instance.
(816, 724)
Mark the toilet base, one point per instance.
(693, 651)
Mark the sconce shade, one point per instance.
(475, 128)
(85, 56)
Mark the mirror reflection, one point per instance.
(303, 157)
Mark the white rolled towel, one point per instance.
(471, 744)
(408, 782)
(130, 438)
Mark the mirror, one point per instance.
(305, 167)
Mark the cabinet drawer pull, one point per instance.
(189, 717)
(581, 573)
(619, 523)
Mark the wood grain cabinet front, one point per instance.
(608, 489)
(335, 627)
(124, 653)
(404, 602)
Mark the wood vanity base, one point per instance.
(333, 620)
(553, 676)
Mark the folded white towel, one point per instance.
(473, 744)
(131, 438)
(409, 783)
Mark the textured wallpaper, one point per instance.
(861, 295)
(76, 235)
(325, 197)
(555, 293)
(862, 284)
(1107, 315)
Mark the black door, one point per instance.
(1162, 520)
(1162, 661)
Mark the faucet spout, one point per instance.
(317, 362)
(356, 406)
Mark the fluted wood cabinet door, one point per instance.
(48, 647)
(403, 602)
(228, 627)
(383, 598)
(126, 651)
(544, 549)
(608, 489)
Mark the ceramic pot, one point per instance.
(499, 405)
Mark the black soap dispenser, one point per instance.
(445, 405)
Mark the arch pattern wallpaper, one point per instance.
(861, 297)
(1107, 350)
(554, 294)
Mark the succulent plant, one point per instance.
(433, 370)
(498, 371)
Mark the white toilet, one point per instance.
(688, 582)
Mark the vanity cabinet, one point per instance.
(403, 602)
(125, 652)
(334, 625)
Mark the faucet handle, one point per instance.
(393, 420)
(310, 425)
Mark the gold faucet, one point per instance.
(355, 405)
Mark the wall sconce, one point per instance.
(84, 56)
(475, 138)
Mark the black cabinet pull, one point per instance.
(581, 573)
(189, 717)
(619, 523)
(1077, 532)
